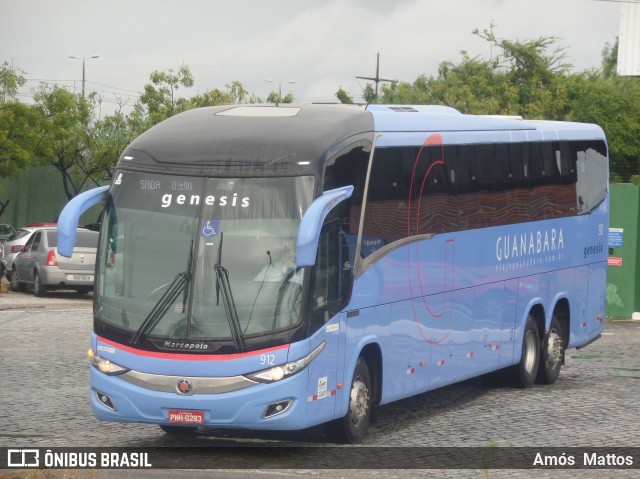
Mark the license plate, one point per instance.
(186, 417)
(83, 277)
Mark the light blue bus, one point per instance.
(276, 268)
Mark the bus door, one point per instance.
(330, 291)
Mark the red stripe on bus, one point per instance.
(189, 357)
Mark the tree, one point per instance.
(159, 95)
(66, 130)
(531, 78)
(235, 93)
(10, 80)
(19, 141)
(610, 59)
(274, 97)
(106, 140)
(343, 96)
(369, 95)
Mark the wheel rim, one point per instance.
(530, 351)
(359, 402)
(554, 349)
(14, 279)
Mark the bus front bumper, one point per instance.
(276, 406)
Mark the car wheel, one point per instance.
(16, 285)
(38, 289)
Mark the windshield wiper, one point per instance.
(179, 284)
(223, 283)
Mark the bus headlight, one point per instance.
(277, 373)
(104, 365)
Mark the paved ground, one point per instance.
(44, 402)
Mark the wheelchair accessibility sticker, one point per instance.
(210, 228)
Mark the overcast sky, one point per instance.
(320, 44)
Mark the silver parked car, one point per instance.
(16, 242)
(40, 265)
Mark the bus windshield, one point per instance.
(190, 263)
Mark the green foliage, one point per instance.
(107, 139)
(19, 140)
(531, 79)
(159, 96)
(65, 131)
(10, 80)
(274, 97)
(610, 59)
(235, 93)
(369, 95)
(343, 96)
(614, 104)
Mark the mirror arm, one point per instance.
(70, 215)
(311, 224)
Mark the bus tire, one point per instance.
(525, 372)
(551, 354)
(352, 428)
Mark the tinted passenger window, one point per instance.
(431, 190)
(36, 242)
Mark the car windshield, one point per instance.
(201, 258)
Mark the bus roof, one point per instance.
(294, 138)
(251, 136)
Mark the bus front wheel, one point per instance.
(353, 427)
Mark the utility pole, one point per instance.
(83, 60)
(377, 78)
(279, 100)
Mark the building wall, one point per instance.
(36, 195)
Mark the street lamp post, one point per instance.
(83, 60)
(279, 99)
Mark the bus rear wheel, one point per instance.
(352, 428)
(525, 372)
(552, 352)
